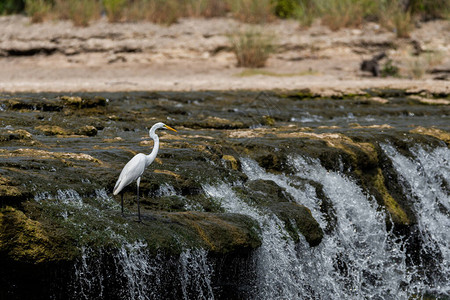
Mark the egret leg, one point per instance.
(139, 208)
(121, 201)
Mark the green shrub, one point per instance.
(252, 47)
(430, 9)
(11, 6)
(389, 69)
(286, 8)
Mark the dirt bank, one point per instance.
(194, 54)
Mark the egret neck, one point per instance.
(151, 157)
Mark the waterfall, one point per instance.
(425, 179)
(124, 269)
(360, 258)
(133, 273)
(278, 266)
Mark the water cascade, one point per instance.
(247, 201)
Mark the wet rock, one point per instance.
(87, 130)
(298, 220)
(221, 232)
(435, 132)
(231, 162)
(216, 123)
(9, 192)
(79, 102)
(24, 239)
(46, 105)
(267, 191)
(18, 134)
(398, 214)
(270, 161)
(176, 211)
(52, 130)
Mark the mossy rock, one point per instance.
(84, 102)
(298, 220)
(26, 240)
(87, 130)
(221, 233)
(267, 190)
(231, 162)
(10, 192)
(53, 130)
(18, 134)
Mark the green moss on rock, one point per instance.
(24, 239)
(397, 213)
(298, 220)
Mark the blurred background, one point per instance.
(335, 14)
(188, 42)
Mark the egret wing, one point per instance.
(131, 172)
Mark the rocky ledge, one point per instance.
(61, 155)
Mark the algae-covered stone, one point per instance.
(232, 162)
(18, 134)
(24, 239)
(298, 220)
(397, 213)
(8, 191)
(221, 232)
(87, 130)
(79, 102)
(435, 132)
(53, 130)
(267, 191)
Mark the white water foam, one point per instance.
(141, 275)
(279, 268)
(358, 260)
(426, 181)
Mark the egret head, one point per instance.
(158, 126)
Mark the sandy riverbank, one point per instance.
(194, 54)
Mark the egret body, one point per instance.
(134, 169)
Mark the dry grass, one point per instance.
(156, 11)
(80, 12)
(38, 10)
(417, 66)
(115, 9)
(206, 8)
(403, 24)
(252, 11)
(339, 14)
(252, 47)
(394, 14)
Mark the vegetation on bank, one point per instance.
(396, 14)
(253, 46)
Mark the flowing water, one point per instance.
(358, 258)
(361, 256)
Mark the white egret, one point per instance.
(135, 167)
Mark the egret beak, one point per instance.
(170, 128)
